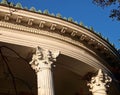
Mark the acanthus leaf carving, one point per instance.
(43, 58)
(99, 83)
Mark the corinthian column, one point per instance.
(41, 63)
(100, 83)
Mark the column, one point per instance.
(41, 63)
(99, 83)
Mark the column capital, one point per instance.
(99, 83)
(43, 58)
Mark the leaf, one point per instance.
(18, 5)
(33, 9)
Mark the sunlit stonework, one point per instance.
(31, 43)
(41, 63)
(100, 83)
(43, 59)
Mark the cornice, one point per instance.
(55, 26)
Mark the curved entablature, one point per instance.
(77, 34)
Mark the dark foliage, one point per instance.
(115, 13)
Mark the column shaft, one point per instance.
(45, 82)
(41, 63)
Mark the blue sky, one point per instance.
(81, 11)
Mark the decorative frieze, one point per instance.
(19, 18)
(7, 17)
(98, 45)
(30, 21)
(63, 30)
(41, 25)
(53, 27)
(91, 41)
(74, 33)
(12, 11)
(82, 37)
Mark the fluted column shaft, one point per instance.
(45, 82)
(41, 63)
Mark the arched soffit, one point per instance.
(23, 21)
